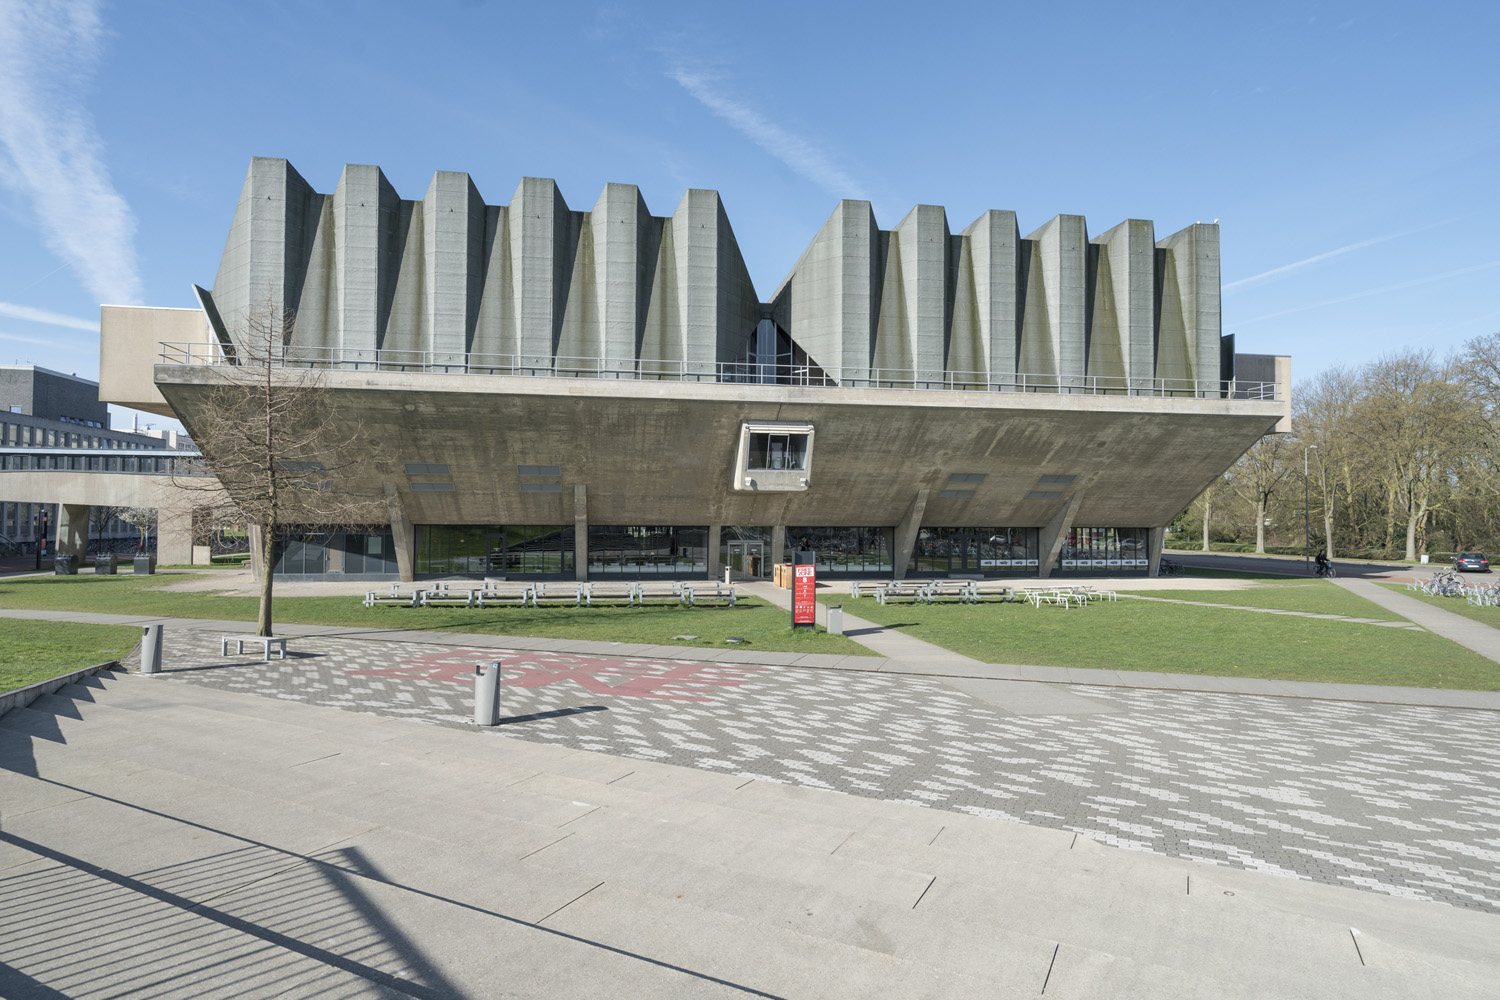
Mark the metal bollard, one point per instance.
(727, 571)
(487, 694)
(151, 650)
(835, 619)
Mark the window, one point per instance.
(773, 455)
(777, 452)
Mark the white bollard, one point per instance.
(151, 650)
(487, 694)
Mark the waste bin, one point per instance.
(151, 650)
(143, 565)
(835, 619)
(63, 566)
(106, 565)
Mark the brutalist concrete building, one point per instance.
(598, 393)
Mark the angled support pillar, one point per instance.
(402, 535)
(580, 532)
(1155, 539)
(73, 530)
(715, 564)
(174, 536)
(906, 533)
(1055, 533)
(778, 544)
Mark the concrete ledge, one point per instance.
(21, 697)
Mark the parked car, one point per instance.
(1471, 562)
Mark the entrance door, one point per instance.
(746, 559)
(494, 558)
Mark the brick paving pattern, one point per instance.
(1394, 799)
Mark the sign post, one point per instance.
(804, 596)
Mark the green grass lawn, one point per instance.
(37, 651)
(1457, 605)
(1186, 639)
(764, 626)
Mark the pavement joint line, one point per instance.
(924, 892)
(1357, 949)
(1048, 978)
(935, 836)
(575, 819)
(843, 842)
(567, 904)
(576, 938)
(622, 777)
(554, 843)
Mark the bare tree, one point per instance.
(277, 445)
(1324, 420)
(100, 518)
(143, 519)
(1259, 477)
(1416, 416)
(1206, 502)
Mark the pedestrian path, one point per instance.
(899, 654)
(190, 842)
(1481, 638)
(1277, 611)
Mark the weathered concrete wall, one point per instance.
(449, 275)
(130, 339)
(664, 453)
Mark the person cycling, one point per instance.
(1321, 560)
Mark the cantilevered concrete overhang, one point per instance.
(664, 452)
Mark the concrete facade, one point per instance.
(1044, 383)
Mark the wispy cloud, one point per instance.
(1277, 272)
(1402, 286)
(48, 53)
(798, 152)
(32, 340)
(33, 315)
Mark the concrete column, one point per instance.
(906, 534)
(73, 531)
(1055, 533)
(174, 536)
(1155, 539)
(336, 553)
(580, 532)
(715, 562)
(778, 544)
(403, 536)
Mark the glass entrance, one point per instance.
(746, 559)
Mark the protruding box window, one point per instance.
(774, 455)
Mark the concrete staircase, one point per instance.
(179, 840)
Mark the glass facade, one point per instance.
(1107, 550)
(352, 553)
(986, 551)
(845, 550)
(494, 550)
(746, 550)
(647, 550)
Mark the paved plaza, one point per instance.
(1400, 800)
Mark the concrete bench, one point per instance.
(267, 642)
(609, 593)
(713, 593)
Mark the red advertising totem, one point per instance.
(804, 597)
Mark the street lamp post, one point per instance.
(1306, 523)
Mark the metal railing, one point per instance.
(142, 463)
(740, 373)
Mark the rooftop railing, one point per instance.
(739, 373)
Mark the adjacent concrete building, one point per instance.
(604, 392)
(52, 424)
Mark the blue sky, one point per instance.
(1348, 150)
